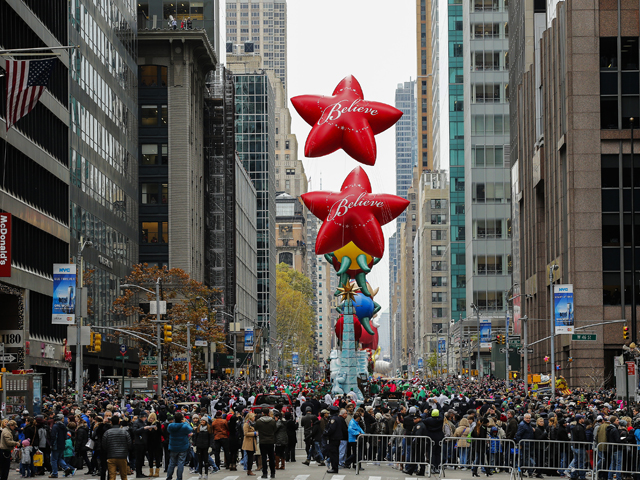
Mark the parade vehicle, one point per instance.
(279, 401)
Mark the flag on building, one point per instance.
(26, 80)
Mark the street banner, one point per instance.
(5, 244)
(563, 309)
(64, 294)
(294, 358)
(248, 339)
(442, 345)
(485, 333)
(420, 363)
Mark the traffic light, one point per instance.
(625, 332)
(92, 341)
(167, 334)
(97, 342)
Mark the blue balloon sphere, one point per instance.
(364, 306)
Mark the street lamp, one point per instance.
(209, 311)
(477, 310)
(158, 321)
(79, 386)
(552, 268)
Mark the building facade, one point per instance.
(291, 232)
(430, 259)
(456, 105)
(486, 147)
(572, 186)
(263, 25)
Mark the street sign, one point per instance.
(504, 349)
(180, 359)
(123, 349)
(529, 350)
(149, 361)
(631, 368)
(123, 357)
(8, 357)
(589, 337)
(201, 343)
(155, 372)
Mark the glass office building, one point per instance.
(456, 161)
(103, 151)
(255, 144)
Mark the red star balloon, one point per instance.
(353, 215)
(345, 120)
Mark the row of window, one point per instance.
(492, 264)
(154, 116)
(491, 192)
(497, 124)
(619, 82)
(492, 228)
(487, 156)
(489, 30)
(154, 232)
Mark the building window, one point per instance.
(286, 257)
(438, 219)
(438, 250)
(438, 234)
(438, 297)
(154, 232)
(291, 171)
(619, 68)
(149, 154)
(438, 312)
(438, 266)
(152, 76)
(438, 281)
(438, 204)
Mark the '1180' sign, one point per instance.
(11, 338)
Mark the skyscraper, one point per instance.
(486, 148)
(259, 26)
(406, 139)
(456, 162)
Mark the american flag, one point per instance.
(26, 80)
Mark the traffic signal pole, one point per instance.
(158, 338)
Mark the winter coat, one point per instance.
(525, 432)
(354, 431)
(201, 438)
(292, 426)
(266, 427)
(82, 436)
(154, 437)
(58, 436)
(463, 431)
(281, 433)
(139, 433)
(220, 429)
(116, 442)
(179, 436)
(68, 447)
(250, 435)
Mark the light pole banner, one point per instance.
(64, 294)
(563, 308)
(485, 333)
(294, 358)
(248, 339)
(442, 345)
(420, 363)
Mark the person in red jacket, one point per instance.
(221, 439)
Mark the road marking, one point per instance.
(301, 477)
(226, 478)
(375, 478)
(337, 477)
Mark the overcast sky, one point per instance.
(374, 40)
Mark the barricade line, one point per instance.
(483, 453)
(626, 455)
(394, 449)
(568, 457)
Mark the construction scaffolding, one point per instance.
(220, 215)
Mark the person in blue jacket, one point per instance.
(355, 430)
(179, 433)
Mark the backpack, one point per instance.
(44, 437)
(602, 436)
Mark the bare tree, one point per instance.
(595, 379)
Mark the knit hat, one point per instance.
(26, 443)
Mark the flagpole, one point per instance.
(38, 49)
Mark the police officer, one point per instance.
(334, 434)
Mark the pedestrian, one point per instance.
(116, 443)
(202, 439)
(221, 439)
(154, 445)
(179, 433)
(250, 440)
(58, 440)
(189, 23)
(292, 427)
(335, 433)
(282, 440)
(266, 428)
(140, 434)
(82, 437)
(26, 459)
(355, 430)
(69, 449)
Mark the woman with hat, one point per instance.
(6, 445)
(249, 444)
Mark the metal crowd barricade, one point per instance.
(539, 456)
(396, 450)
(483, 453)
(620, 459)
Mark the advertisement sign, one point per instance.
(517, 314)
(563, 308)
(5, 244)
(248, 339)
(64, 294)
(442, 345)
(485, 333)
(294, 358)
(420, 363)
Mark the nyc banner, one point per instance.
(64, 294)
